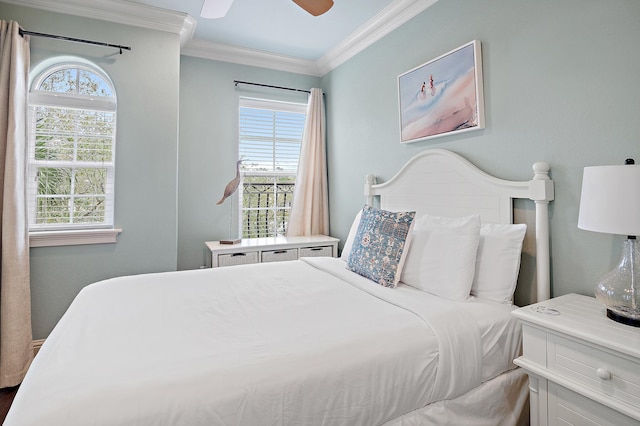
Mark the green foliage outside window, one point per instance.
(266, 202)
(76, 81)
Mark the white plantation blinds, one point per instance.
(270, 134)
(72, 127)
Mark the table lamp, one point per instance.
(610, 203)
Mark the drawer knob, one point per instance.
(603, 373)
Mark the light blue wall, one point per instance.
(209, 144)
(147, 84)
(560, 84)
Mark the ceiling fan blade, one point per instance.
(212, 9)
(314, 7)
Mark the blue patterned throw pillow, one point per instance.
(380, 245)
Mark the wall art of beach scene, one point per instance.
(442, 96)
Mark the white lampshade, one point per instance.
(610, 200)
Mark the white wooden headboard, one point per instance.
(442, 183)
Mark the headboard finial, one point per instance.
(541, 186)
(541, 170)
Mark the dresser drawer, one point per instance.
(316, 251)
(241, 258)
(279, 255)
(595, 368)
(569, 408)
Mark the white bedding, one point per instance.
(256, 345)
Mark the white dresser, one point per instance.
(258, 250)
(584, 369)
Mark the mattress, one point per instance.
(304, 342)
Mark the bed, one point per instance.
(310, 341)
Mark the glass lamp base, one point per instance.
(618, 290)
(623, 320)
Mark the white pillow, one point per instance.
(348, 243)
(498, 261)
(442, 257)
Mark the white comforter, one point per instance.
(291, 343)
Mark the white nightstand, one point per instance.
(584, 369)
(257, 250)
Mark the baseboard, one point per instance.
(37, 344)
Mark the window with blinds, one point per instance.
(270, 136)
(72, 127)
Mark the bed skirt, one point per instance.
(479, 406)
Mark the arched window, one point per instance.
(72, 130)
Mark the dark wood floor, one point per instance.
(6, 398)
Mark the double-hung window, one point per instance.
(72, 128)
(270, 136)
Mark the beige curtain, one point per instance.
(310, 209)
(16, 349)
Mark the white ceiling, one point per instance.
(274, 34)
(278, 26)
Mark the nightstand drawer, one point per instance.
(316, 251)
(279, 255)
(569, 408)
(242, 258)
(595, 368)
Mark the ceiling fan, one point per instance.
(213, 9)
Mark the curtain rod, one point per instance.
(236, 82)
(77, 40)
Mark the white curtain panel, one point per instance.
(310, 209)
(16, 349)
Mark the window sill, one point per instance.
(73, 237)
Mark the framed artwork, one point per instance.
(442, 96)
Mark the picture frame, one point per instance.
(443, 96)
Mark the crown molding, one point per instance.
(187, 30)
(128, 13)
(257, 58)
(390, 18)
(121, 12)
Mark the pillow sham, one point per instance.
(498, 261)
(348, 243)
(442, 259)
(380, 245)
